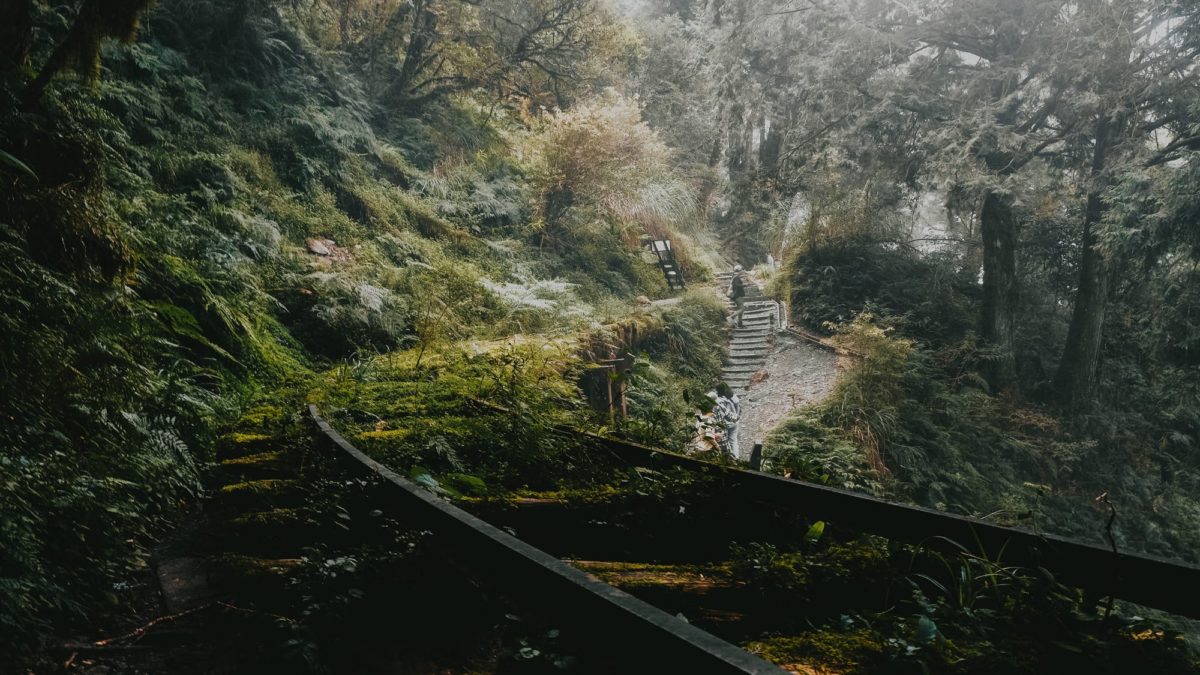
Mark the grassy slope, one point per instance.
(165, 247)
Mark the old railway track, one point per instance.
(662, 641)
(654, 640)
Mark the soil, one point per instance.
(796, 373)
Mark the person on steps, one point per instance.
(737, 291)
(728, 410)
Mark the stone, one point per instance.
(184, 583)
(317, 247)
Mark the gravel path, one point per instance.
(797, 372)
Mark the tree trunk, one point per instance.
(16, 31)
(998, 228)
(56, 62)
(1075, 383)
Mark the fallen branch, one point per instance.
(138, 633)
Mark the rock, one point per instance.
(318, 247)
(184, 583)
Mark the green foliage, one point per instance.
(430, 416)
(872, 607)
(682, 354)
(156, 267)
(928, 298)
(804, 448)
(87, 467)
(912, 416)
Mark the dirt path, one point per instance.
(797, 373)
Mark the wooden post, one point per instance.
(756, 457)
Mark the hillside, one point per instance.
(432, 220)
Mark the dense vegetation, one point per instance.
(219, 210)
(1007, 206)
(250, 193)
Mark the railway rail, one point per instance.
(659, 640)
(654, 640)
(1164, 584)
(1169, 585)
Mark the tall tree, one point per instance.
(985, 91)
(1132, 76)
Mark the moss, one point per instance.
(260, 459)
(385, 435)
(632, 576)
(824, 651)
(260, 576)
(231, 565)
(262, 417)
(270, 518)
(589, 495)
(262, 486)
(239, 445)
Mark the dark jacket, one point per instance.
(737, 286)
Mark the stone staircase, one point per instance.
(751, 342)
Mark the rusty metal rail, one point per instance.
(651, 639)
(1169, 585)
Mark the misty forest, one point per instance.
(599, 336)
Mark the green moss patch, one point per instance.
(824, 651)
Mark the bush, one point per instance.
(929, 298)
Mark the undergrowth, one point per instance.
(913, 417)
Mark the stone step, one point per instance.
(250, 574)
(744, 374)
(279, 532)
(757, 313)
(238, 445)
(255, 467)
(757, 357)
(758, 352)
(260, 494)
